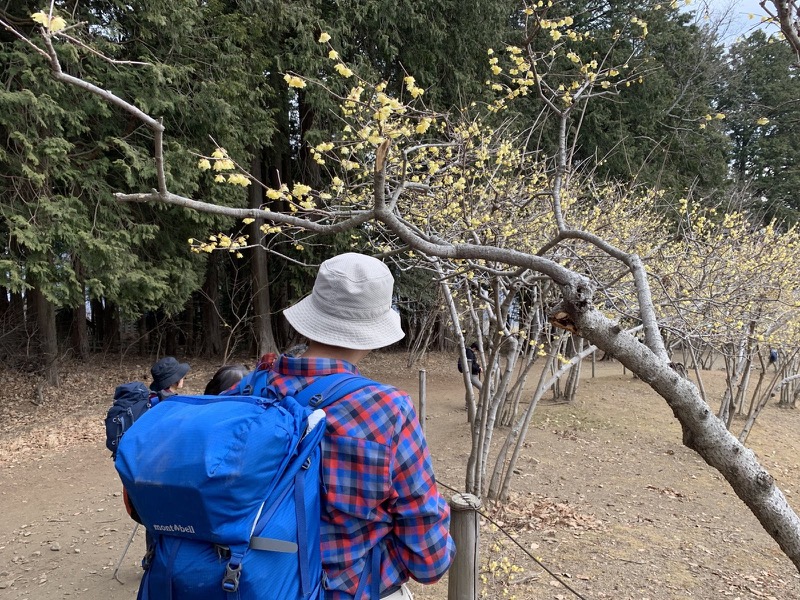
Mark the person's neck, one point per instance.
(319, 350)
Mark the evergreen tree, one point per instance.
(761, 97)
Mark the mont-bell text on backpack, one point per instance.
(175, 528)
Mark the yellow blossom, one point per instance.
(294, 81)
(238, 179)
(333, 55)
(324, 38)
(762, 121)
(247, 221)
(555, 34)
(57, 24)
(219, 179)
(273, 194)
(219, 153)
(343, 70)
(203, 164)
(223, 164)
(300, 189)
(52, 24)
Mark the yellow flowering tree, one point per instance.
(728, 285)
(479, 202)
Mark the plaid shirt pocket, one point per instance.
(357, 475)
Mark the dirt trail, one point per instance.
(606, 497)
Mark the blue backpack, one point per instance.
(131, 400)
(229, 486)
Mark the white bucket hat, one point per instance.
(350, 305)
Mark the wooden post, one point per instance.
(423, 374)
(462, 581)
(594, 356)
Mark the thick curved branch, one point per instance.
(702, 431)
(636, 267)
(788, 14)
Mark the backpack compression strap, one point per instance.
(334, 387)
(322, 392)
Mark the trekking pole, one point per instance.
(124, 552)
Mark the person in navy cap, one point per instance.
(168, 376)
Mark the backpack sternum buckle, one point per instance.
(233, 571)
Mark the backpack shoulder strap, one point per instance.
(326, 390)
(247, 385)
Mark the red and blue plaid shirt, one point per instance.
(379, 484)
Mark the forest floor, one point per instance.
(606, 496)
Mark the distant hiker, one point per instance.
(225, 378)
(132, 400)
(168, 376)
(773, 358)
(475, 375)
(378, 479)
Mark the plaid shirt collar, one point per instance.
(312, 367)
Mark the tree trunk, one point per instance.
(574, 376)
(189, 329)
(47, 337)
(310, 169)
(111, 334)
(97, 323)
(15, 336)
(79, 332)
(262, 321)
(171, 338)
(702, 431)
(79, 335)
(141, 332)
(211, 330)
